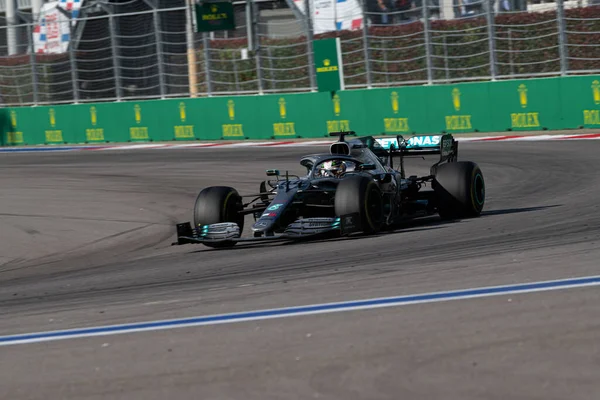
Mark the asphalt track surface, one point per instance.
(85, 241)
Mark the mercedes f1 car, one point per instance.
(359, 187)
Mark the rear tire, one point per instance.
(460, 190)
(361, 195)
(218, 204)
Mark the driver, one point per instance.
(333, 168)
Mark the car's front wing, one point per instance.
(307, 228)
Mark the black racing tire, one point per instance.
(218, 204)
(361, 195)
(460, 190)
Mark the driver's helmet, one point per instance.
(333, 168)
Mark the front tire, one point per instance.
(360, 195)
(460, 190)
(218, 204)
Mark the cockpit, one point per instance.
(334, 168)
(342, 159)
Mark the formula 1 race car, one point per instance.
(355, 188)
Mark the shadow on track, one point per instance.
(516, 210)
(415, 225)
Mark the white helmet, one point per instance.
(333, 168)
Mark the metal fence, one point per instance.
(142, 49)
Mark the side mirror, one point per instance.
(272, 172)
(367, 167)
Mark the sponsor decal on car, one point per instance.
(387, 143)
(275, 207)
(423, 141)
(446, 146)
(350, 223)
(319, 224)
(415, 141)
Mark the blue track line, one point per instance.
(302, 310)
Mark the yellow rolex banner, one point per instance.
(516, 105)
(580, 101)
(328, 65)
(528, 104)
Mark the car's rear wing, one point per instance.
(420, 145)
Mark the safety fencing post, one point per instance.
(257, 45)
(365, 35)
(32, 58)
(491, 39)
(309, 46)
(159, 52)
(115, 57)
(427, 35)
(562, 37)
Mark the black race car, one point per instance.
(355, 188)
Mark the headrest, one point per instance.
(340, 148)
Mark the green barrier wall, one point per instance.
(518, 105)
